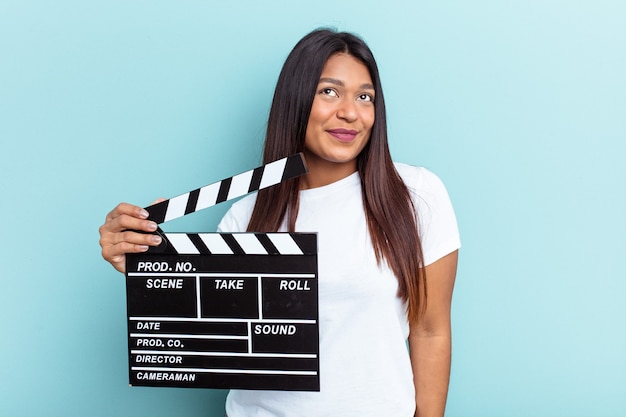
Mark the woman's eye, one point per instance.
(366, 97)
(328, 92)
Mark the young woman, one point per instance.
(387, 237)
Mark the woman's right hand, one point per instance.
(117, 237)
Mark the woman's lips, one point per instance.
(343, 135)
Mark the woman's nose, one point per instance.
(347, 111)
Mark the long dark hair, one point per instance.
(390, 213)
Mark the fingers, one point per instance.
(129, 237)
(128, 210)
(126, 216)
(116, 254)
(118, 235)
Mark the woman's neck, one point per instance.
(322, 172)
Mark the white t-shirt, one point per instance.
(365, 368)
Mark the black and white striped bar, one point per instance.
(237, 244)
(229, 188)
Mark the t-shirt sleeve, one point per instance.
(237, 217)
(438, 226)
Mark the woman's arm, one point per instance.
(430, 340)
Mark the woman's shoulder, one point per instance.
(418, 178)
(438, 226)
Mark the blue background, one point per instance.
(519, 106)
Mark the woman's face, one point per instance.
(341, 117)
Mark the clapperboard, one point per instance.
(225, 310)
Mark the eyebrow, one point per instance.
(366, 86)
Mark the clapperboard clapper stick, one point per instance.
(225, 310)
(227, 189)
